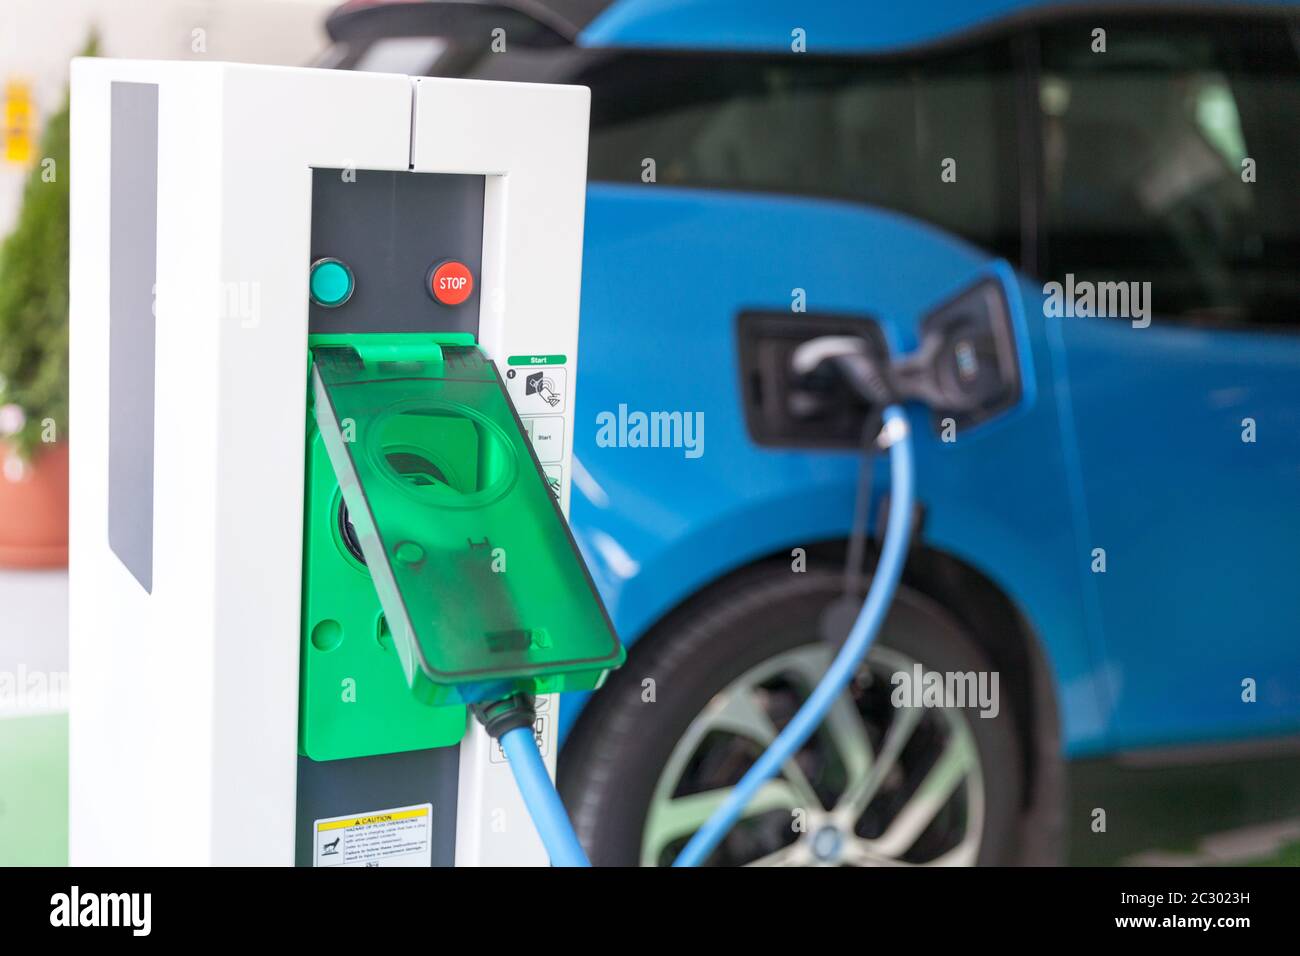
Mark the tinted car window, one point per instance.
(1143, 152)
(870, 131)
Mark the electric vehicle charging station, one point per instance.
(324, 335)
(318, 320)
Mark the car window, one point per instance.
(1170, 158)
(877, 131)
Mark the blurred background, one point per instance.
(37, 39)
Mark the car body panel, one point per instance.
(660, 335)
(1199, 592)
(829, 27)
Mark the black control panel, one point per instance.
(393, 231)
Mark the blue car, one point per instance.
(1105, 566)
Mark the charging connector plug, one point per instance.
(502, 716)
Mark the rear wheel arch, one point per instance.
(936, 583)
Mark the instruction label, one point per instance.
(538, 391)
(398, 837)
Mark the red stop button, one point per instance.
(451, 282)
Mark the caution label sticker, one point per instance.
(398, 837)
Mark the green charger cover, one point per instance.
(353, 699)
(481, 583)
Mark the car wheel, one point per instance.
(704, 693)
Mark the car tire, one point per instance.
(614, 759)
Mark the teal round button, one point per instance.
(331, 283)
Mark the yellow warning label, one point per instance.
(374, 818)
(401, 836)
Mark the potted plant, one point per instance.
(34, 364)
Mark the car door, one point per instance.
(1169, 220)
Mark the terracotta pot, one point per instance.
(34, 509)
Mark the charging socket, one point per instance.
(786, 410)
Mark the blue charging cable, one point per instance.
(543, 803)
(884, 583)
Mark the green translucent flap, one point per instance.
(480, 581)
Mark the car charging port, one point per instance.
(965, 369)
(816, 409)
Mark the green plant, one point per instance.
(34, 300)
